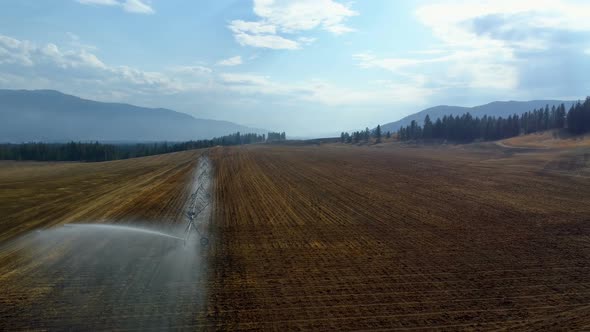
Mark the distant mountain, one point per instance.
(497, 108)
(47, 115)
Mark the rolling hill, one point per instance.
(497, 108)
(47, 115)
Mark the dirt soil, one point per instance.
(364, 238)
(320, 237)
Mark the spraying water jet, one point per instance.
(123, 228)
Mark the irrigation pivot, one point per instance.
(199, 201)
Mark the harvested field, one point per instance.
(326, 237)
(356, 238)
(99, 277)
(39, 195)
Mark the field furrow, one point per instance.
(338, 238)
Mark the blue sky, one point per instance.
(307, 67)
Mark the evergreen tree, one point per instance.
(428, 128)
(465, 128)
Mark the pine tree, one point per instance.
(428, 128)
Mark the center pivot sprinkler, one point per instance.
(199, 201)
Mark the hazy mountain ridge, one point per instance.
(496, 108)
(48, 115)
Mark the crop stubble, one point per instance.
(364, 238)
(94, 279)
(41, 195)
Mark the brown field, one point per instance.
(359, 238)
(38, 195)
(89, 279)
(327, 237)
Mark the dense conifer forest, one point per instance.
(466, 128)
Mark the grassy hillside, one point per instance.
(548, 139)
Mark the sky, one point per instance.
(307, 67)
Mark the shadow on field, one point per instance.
(89, 277)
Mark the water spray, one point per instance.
(123, 228)
(199, 200)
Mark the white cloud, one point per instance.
(476, 68)
(325, 93)
(290, 17)
(191, 70)
(260, 34)
(250, 98)
(306, 40)
(266, 41)
(368, 60)
(245, 79)
(25, 64)
(131, 6)
(13, 51)
(302, 15)
(485, 44)
(136, 6)
(55, 66)
(239, 26)
(233, 61)
(503, 22)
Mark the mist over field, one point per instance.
(107, 275)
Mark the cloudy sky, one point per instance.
(304, 66)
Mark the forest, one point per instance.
(466, 128)
(94, 152)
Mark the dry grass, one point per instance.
(351, 238)
(548, 139)
(40, 195)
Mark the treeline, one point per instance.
(93, 152)
(466, 128)
(273, 137)
(363, 136)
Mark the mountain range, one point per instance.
(497, 109)
(51, 116)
